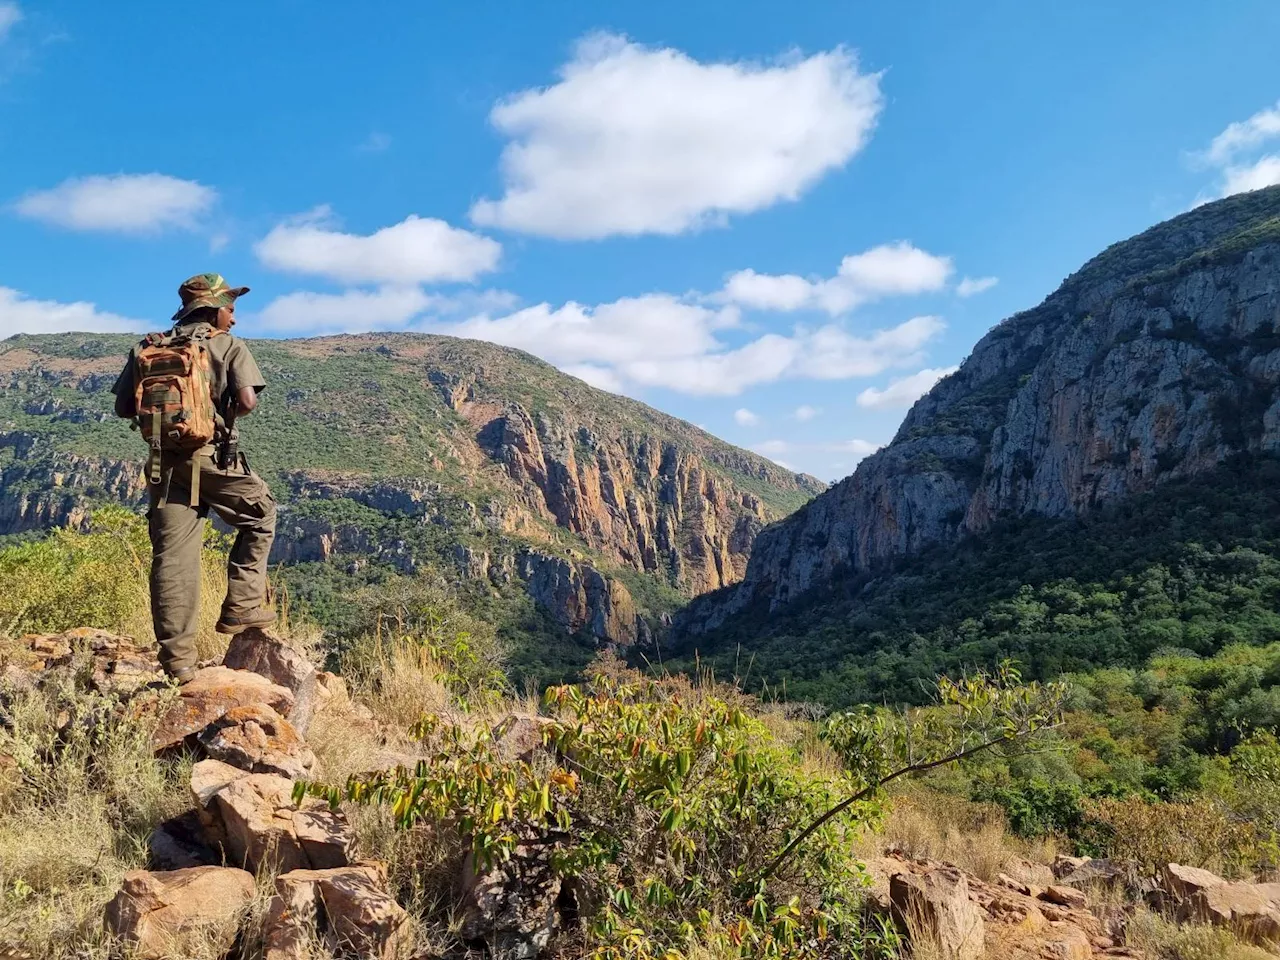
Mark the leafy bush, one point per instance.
(688, 823)
(98, 578)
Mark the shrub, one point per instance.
(99, 578)
(1200, 833)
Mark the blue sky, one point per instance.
(778, 221)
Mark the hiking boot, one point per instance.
(234, 623)
(183, 676)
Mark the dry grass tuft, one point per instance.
(1160, 939)
(88, 796)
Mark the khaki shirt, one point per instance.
(231, 365)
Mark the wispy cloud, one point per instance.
(121, 203)
(970, 287)
(745, 418)
(10, 16)
(376, 142)
(903, 392)
(1236, 154)
(805, 413)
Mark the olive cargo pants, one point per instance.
(240, 498)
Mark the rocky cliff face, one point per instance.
(408, 450)
(1159, 359)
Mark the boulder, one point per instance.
(259, 652)
(210, 695)
(1065, 865)
(256, 812)
(511, 907)
(935, 905)
(180, 912)
(262, 827)
(207, 778)
(1064, 941)
(1251, 910)
(1096, 873)
(258, 740)
(348, 909)
(1065, 897)
(1181, 882)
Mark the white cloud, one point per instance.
(1242, 136)
(903, 392)
(10, 15)
(121, 203)
(415, 250)
(1234, 153)
(745, 418)
(21, 314)
(1264, 173)
(805, 413)
(349, 312)
(895, 269)
(969, 287)
(660, 341)
(635, 139)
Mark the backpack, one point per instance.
(173, 393)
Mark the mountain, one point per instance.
(403, 450)
(1156, 362)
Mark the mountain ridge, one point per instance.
(406, 449)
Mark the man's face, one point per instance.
(226, 318)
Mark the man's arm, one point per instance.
(244, 378)
(247, 399)
(123, 389)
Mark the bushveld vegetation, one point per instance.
(693, 820)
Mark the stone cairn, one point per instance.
(245, 719)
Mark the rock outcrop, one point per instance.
(1159, 359)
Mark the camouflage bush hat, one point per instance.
(206, 290)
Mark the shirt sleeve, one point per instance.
(242, 369)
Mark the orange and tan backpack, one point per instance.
(173, 396)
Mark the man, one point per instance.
(187, 485)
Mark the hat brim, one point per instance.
(223, 299)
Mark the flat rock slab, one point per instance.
(258, 740)
(259, 652)
(180, 912)
(349, 909)
(210, 695)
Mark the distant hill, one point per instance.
(1156, 363)
(405, 450)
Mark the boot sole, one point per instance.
(231, 629)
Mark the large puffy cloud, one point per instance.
(635, 140)
(22, 314)
(896, 269)
(1235, 152)
(904, 391)
(122, 203)
(415, 250)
